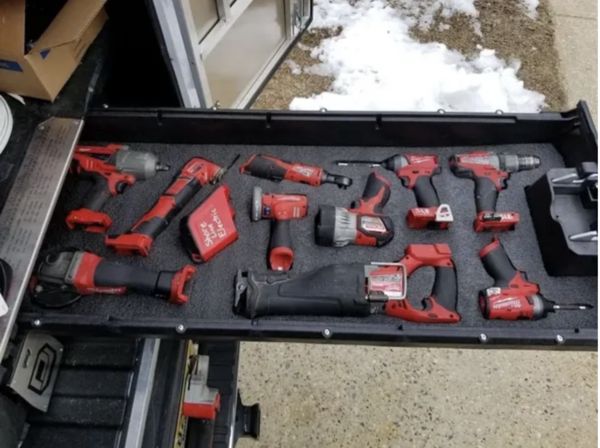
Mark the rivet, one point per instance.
(180, 328)
(37, 323)
(483, 338)
(559, 339)
(326, 333)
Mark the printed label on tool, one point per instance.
(212, 229)
(372, 224)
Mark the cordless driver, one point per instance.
(281, 209)
(415, 171)
(111, 168)
(61, 278)
(513, 296)
(364, 224)
(272, 168)
(491, 172)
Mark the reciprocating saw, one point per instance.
(491, 172)
(415, 172)
(354, 289)
(111, 168)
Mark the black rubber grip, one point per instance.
(134, 278)
(374, 186)
(281, 235)
(266, 169)
(98, 193)
(498, 266)
(425, 192)
(445, 288)
(310, 294)
(486, 194)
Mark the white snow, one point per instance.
(377, 65)
(531, 7)
(293, 66)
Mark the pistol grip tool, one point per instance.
(61, 278)
(111, 168)
(513, 296)
(195, 174)
(416, 171)
(491, 172)
(274, 169)
(353, 289)
(364, 224)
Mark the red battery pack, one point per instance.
(211, 227)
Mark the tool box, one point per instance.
(559, 139)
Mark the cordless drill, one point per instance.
(111, 168)
(195, 174)
(61, 278)
(272, 168)
(415, 171)
(281, 209)
(513, 297)
(491, 172)
(364, 224)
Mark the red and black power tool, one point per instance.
(272, 168)
(491, 172)
(111, 168)
(513, 296)
(416, 172)
(281, 209)
(353, 289)
(61, 278)
(364, 224)
(195, 174)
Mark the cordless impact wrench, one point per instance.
(354, 289)
(491, 172)
(513, 296)
(61, 278)
(274, 169)
(416, 171)
(364, 224)
(111, 168)
(195, 174)
(281, 209)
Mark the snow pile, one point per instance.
(377, 65)
(531, 8)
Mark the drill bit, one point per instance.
(370, 163)
(572, 306)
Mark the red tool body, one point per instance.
(272, 168)
(352, 289)
(195, 174)
(513, 296)
(112, 168)
(491, 172)
(416, 171)
(281, 209)
(364, 224)
(211, 227)
(61, 278)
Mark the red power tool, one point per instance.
(513, 297)
(61, 278)
(272, 168)
(364, 224)
(353, 289)
(416, 172)
(111, 168)
(281, 209)
(491, 172)
(195, 174)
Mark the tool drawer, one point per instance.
(558, 139)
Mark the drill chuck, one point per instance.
(513, 163)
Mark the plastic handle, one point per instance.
(98, 194)
(376, 195)
(266, 168)
(497, 264)
(486, 194)
(281, 253)
(425, 192)
(118, 275)
(445, 289)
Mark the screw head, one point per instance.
(323, 109)
(180, 328)
(37, 323)
(326, 333)
(483, 338)
(559, 339)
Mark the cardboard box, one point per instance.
(45, 68)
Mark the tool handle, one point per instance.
(425, 193)
(445, 289)
(313, 293)
(497, 264)
(281, 253)
(375, 196)
(99, 193)
(266, 167)
(486, 194)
